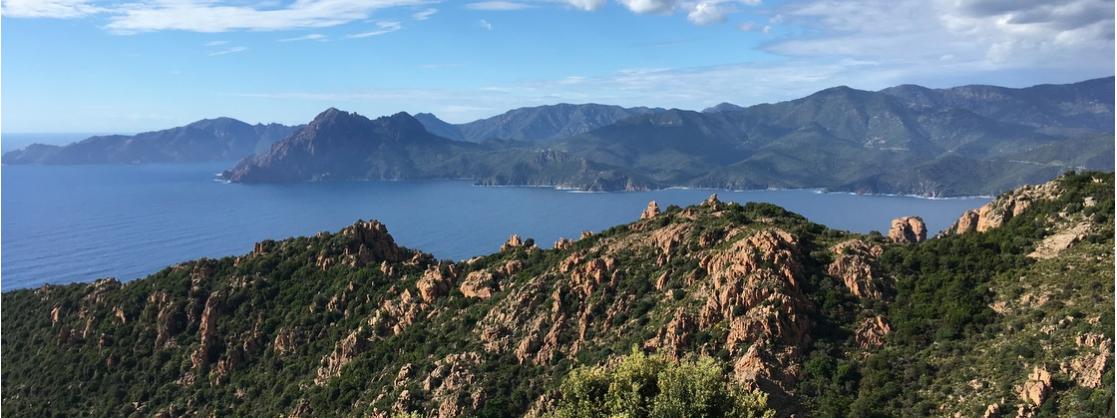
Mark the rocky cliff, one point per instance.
(824, 322)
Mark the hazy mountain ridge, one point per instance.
(219, 139)
(534, 124)
(1010, 311)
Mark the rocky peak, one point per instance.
(651, 211)
(907, 230)
(368, 242)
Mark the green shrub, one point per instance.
(655, 386)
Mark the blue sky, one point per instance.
(108, 66)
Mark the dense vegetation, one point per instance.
(654, 386)
(943, 313)
(719, 299)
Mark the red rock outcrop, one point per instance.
(433, 284)
(997, 212)
(907, 230)
(855, 263)
(478, 284)
(351, 346)
(1037, 387)
(207, 331)
(513, 242)
(651, 211)
(451, 385)
(1087, 369)
(870, 334)
(674, 339)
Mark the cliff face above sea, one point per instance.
(1014, 318)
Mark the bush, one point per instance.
(654, 386)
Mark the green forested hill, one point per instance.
(1011, 311)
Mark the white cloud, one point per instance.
(382, 27)
(54, 9)
(485, 24)
(226, 51)
(217, 16)
(650, 6)
(216, 43)
(497, 5)
(308, 37)
(985, 34)
(587, 5)
(707, 12)
(424, 14)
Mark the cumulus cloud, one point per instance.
(424, 14)
(707, 12)
(497, 5)
(55, 9)
(382, 27)
(215, 16)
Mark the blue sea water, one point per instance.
(61, 224)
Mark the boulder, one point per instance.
(907, 230)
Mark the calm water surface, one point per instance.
(79, 223)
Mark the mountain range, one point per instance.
(970, 140)
(220, 139)
(1008, 313)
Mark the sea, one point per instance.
(64, 224)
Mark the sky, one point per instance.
(136, 65)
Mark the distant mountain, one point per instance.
(205, 140)
(341, 145)
(534, 124)
(722, 107)
(854, 140)
(1086, 105)
(907, 140)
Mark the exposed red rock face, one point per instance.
(907, 230)
(674, 339)
(967, 223)
(348, 348)
(1087, 369)
(433, 284)
(513, 242)
(1003, 209)
(651, 211)
(285, 342)
(368, 242)
(451, 385)
(855, 263)
(1037, 387)
(207, 331)
(563, 244)
(478, 284)
(754, 286)
(870, 334)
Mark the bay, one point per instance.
(61, 224)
